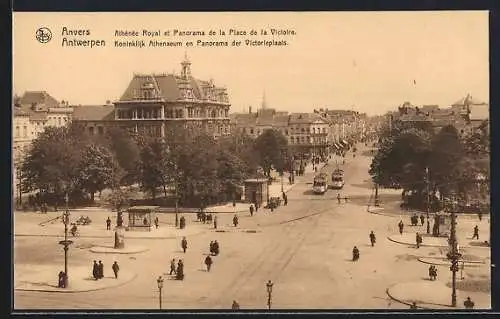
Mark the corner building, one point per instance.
(152, 103)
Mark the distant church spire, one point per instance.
(186, 67)
(264, 102)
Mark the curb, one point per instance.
(77, 291)
(117, 251)
(427, 245)
(401, 301)
(107, 237)
(466, 263)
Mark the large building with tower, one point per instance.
(154, 102)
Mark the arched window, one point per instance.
(17, 131)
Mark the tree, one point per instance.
(447, 152)
(151, 166)
(51, 165)
(126, 151)
(401, 160)
(96, 171)
(270, 145)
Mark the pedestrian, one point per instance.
(212, 247)
(338, 198)
(95, 270)
(480, 215)
(215, 222)
(235, 220)
(172, 267)
(108, 223)
(157, 222)
(372, 238)
(256, 207)
(182, 222)
(101, 270)
(208, 262)
(179, 274)
(476, 233)
(216, 248)
(251, 210)
(468, 303)
(418, 239)
(60, 281)
(204, 218)
(422, 219)
(184, 244)
(235, 306)
(401, 225)
(145, 221)
(355, 253)
(285, 199)
(115, 268)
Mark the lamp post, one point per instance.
(66, 242)
(454, 254)
(159, 281)
(269, 286)
(282, 169)
(428, 198)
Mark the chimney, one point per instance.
(249, 110)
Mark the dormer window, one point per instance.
(148, 90)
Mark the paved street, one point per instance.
(305, 248)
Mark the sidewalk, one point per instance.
(435, 295)
(44, 278)
(98, 230)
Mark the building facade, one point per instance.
(32, 113)
(153, 103)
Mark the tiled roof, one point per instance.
(93, 113)
(244, 118)
(305, 118)
(167, 86)
(479, 112)
(39, 98)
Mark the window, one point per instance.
(302, 130)
(100, 129)
(91, 130)
(59, 121)
(17, 131)
(25, 131)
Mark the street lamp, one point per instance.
(66, 242)
(269, 287)
(159, 281)
(454, 254)
(282, 168)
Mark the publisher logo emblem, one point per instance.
(43, 35)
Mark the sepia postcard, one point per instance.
(258, 161)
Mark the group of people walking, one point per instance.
(177, 269)
(98, 270)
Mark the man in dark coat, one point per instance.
(235, 220)
(95, 270)
(216, 248)
(184, 244)
(157, 222)
(401, 225)
(108, 223)
(212, 247)
(355, 253)
(285, 199)
(208, 262)
(172, 267)
(115, 268)
(372, 238)
(476, 233)
(180, 270)
(418, 239)
(468, 304)
(215, 222)
(251, 210)
(338, 198)
(422, 219)
(100, 270)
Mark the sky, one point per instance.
(370, 62)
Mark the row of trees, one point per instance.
(188, 163)
(413, 157)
